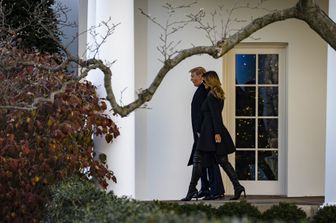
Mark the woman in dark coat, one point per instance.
(215, 142)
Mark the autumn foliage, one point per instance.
(41, 146)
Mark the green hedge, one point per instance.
(286, 212)
(78, 200)
(187, 209)
(327, 214)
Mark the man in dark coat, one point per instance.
(211, 180)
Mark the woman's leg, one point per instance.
(195, 176)
(227, 167)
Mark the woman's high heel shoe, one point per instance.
(238, 193)
(191, 195)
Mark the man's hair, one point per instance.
(198, 70)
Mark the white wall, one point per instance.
(140, 30)
(330, 182)
(164, 137)
(306, 101)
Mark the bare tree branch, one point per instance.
(168, 47)
(305, 10)
(318, 20)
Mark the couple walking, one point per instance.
(212, 141)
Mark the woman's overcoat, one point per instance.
(212, 123)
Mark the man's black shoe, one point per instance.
(202, 194)
(213, 197)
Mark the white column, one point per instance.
(330, 174)
(82, 27)
(120, 47)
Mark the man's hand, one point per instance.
(218, 138)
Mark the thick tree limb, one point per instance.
(318, 20)
(305, 10)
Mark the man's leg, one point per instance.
(215, 182)
(205, 189)
(195, 176)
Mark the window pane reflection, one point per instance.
(267, 165)
(245, 101)
(245, 165)
(268, 68)
(245, 133)
(268, 133)
(245, 68)
(268, 101)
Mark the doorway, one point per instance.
(254, 82)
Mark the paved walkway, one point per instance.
(308, 204)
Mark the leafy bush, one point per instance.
(327, 214)
(187, 209)
(233, 209)
(78, 200)
(286, 212)
(239, 209)
(41, 146)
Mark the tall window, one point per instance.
(257, 116)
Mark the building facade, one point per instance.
(278, 108)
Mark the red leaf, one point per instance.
(103, 105)
(114, 179)
(25, 149)
(108, 138)
(30, 70)
(13, 164)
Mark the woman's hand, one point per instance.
(218, 138)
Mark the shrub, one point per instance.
(286, 212)
(327, 214)
(78, 200)
(41, 146)
(187, 209)
(232, 209)
(239, 209)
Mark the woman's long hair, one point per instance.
(212, 80)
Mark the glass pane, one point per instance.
(245, 165)
(245, 133)
(267, 165)
(268, 133)
(245, 68)
(268, 101)
(268, 68)
(245, 101)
